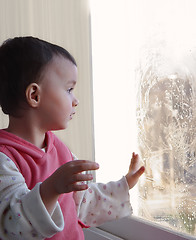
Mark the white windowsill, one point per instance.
(98, 234)
(134, 229)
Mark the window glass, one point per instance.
(144, 76)
(166, 134)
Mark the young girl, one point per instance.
(42, 190)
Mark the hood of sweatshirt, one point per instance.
(10, 140)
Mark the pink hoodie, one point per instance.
(36, 165)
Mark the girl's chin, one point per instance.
(62, 127)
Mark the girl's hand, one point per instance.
(67, 178)
(134, 171)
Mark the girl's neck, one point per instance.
(27, 130)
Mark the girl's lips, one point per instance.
(71, 115)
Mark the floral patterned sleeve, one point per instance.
(22, 212)
(103, 202)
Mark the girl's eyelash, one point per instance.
(69, 90)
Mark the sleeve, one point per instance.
(103, 202)
(22, 212)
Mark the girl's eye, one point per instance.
(70, 90)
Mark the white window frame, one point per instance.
(98, 234)
(134, 228)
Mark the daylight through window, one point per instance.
(144, 63)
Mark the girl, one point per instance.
(42, 191)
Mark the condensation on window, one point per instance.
(166, 119)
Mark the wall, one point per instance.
(66, 23)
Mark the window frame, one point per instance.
(98, 234)
(135, 228)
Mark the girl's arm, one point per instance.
(105, 202)
(23, 214)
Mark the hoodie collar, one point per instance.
(9, 139)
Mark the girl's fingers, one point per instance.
(133, 178)
(134, 161)
(78, 166)
(139, 172)
(79, 187)
(82, 177)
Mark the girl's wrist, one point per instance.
(49, 195)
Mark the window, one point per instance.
(144, 100)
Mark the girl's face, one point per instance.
(57, 101)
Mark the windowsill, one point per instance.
(98, 234)
(138, 229)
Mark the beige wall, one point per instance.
(66, 23)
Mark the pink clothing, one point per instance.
(22, 213)
(36, 165)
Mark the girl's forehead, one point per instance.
(61, 61)
(60, 67)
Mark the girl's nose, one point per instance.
(75, 102)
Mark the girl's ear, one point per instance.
(33, 95)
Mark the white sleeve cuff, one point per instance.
(36, 212)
